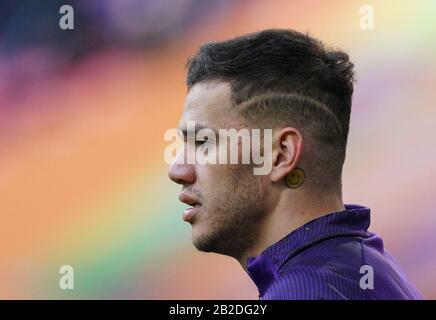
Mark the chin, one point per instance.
(198, 233)
(201, 237)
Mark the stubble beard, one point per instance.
(234, 221)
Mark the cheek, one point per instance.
(212, 175)
(215, 181)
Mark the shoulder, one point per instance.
(314, 283)
(332, 270)
(328, 270)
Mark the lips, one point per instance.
(194, 204)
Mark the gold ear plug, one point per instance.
(295, 178)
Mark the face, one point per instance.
(227, 199)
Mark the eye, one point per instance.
(199, 142)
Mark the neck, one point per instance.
(290, 213)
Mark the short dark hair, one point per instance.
(284, 62)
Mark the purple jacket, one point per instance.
(329, 258)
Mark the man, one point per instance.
(289, 229)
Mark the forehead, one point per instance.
(209, 104)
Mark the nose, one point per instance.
(182, 172)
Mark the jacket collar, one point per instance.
(264, 269)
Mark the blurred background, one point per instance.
(83, 112)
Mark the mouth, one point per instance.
(190, 212)
(195, 205)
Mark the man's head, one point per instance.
(275, 79)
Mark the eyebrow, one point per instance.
(198, 127)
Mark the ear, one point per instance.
(288, 146)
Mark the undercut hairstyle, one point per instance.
(283, 77)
